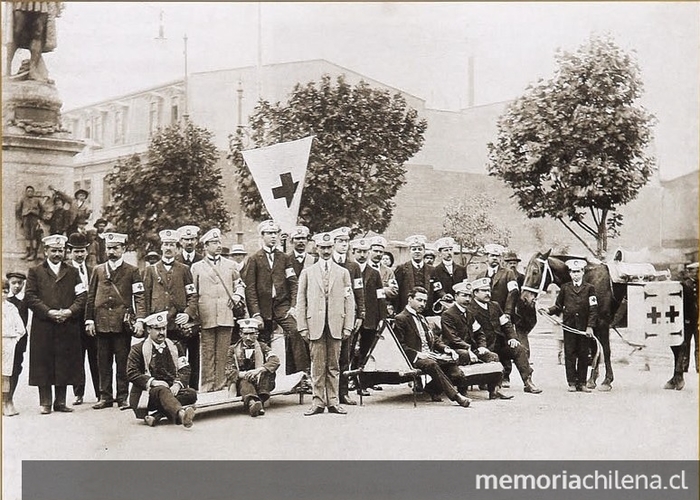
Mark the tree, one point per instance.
(356, 166)
(469, 222)
(178, 184)
(573, 147)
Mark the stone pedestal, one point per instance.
(35, 152)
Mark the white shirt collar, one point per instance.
(483, 305)
(339, 257)
(20, 295)
(299, 255)
(417, 266)
(167, 262)
(78, 266)
(577, 283)
(460, 308)
(188, 255)
(411, 310)
(54, 267)
(362, 266)
(114, 266)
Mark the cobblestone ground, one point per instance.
(636, 420)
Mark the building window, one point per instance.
(99, 128)
(174, 110)
(88, 129)
(154, 117)
(119, 126)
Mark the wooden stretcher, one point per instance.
(387, 363)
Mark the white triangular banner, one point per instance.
(279, 172)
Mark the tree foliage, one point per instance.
(470, 223)
(179, 183)
(574, 147)
(364, 136)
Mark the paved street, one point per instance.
(637, 420)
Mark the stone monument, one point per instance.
(36, 150)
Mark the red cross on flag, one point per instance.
(279, 171)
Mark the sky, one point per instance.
(108, 49)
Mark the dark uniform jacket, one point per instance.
(504, 288)
(298, 267)
(375, 306)
(577, 305)
(259, 279)
(358, 288)
(171, 291)
(457, 331)
(55, 352)
(409, 337)
(104, 306)
(443, 281)
(181, 259)
(406, 281)
(493, 322)
(238, 362)
(175, 368)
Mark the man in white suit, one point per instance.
(326, 315)
(220, 291)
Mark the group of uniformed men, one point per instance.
(201, 313)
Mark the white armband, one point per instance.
(381, 294)
(190, 289)
(503, 320)
(357, 283)
(80, 288)
(348, 291)
(289, 272)
(592, 301)
(182, 362)
(476, 326)
(137, 287)
(437, 286)
(512, 285)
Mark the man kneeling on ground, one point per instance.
(251, 367)
(158, 365)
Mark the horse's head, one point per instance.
(537, 277)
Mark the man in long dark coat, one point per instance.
(56, 295)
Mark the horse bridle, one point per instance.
(546, 270)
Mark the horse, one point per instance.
(542, 270)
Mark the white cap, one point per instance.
(462, 286)
(576, 264)
(268, 226)
(157, 319)
(212, 234)
(494, 249)
(299, 232)
(249, 324)
(446, 242)
(481, 283)
(429, 249)
(341, 232)
(187, 232)
(378, 241)
(54, 240)
(360, 244)
(416, 240)
(238, 250)
(169, 236)
(114, 238)
(323, 240)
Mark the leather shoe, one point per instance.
(123, 405)
(63, 409)
(572, 388)
(506, 383)
(314, 410)
(150, 420)
(45, 410)
(499, 395)
(102, 404)
(254, 408)
(463, 401)
(345, 399)
(363, 392)
(531, 388)
(435, 398)
(339, 410)
(186, 416)
(78, 401)
(262, 412)
(583, 388)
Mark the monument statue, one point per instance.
(33, 28)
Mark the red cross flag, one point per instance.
(279, 171)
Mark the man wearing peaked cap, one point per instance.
(682, 353)
(268, 226)
(251, 368)
(430, 254)
(187, 237)
(326, 310)
(578, 305)
(221, 300)
(458, 333)
(415, 272)
(504, 291)
(115, 292)
(391, 287)
(341, 244)
(271, 294)
(238, 255)
(56, 295)
(169, 286)
(375, 303)
(524, 316)
(499, 332)
(447, 273)
(158, 367)
(300, 258)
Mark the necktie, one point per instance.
(300, 259)
(82, 271)
(188, 261)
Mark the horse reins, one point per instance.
(546, 271)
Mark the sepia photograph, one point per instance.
(450, 239)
